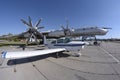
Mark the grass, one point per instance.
(8, 43)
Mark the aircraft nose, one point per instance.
(104, 31)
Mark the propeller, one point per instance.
(66, 29)
(33, 30)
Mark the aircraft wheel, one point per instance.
(77, 54)
(95, 43)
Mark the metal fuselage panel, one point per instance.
(92, 31)
(67, 44)
(58, 33)
(79, 32)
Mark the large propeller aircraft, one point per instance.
(85, 32)
(33, 32)
(88, 31)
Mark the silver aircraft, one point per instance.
(85, 32)
(33, 32)
(88, 31)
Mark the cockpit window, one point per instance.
(66, 40)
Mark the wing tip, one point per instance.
(4, 54)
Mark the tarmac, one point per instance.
(96, 63)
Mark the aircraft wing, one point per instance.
(26, 54)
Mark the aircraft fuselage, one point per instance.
(92, 31)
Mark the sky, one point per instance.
(80, 13)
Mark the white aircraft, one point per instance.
(60, 46)
(66, 42)
(27, 54)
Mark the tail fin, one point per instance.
(47, 43)
(44, 40)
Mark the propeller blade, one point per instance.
(63, 27)
(29, 37)
(30, 22)
(25, 22)
(40, 34)
(70, 32)
(66, 24)
(64, 30)
(38, 23)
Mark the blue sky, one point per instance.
(80, 13)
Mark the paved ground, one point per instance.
(96, 63)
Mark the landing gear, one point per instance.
(94, 38)
(57, 55)
(77, 54)
(95, 43)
